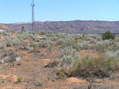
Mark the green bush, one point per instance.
(108, 35)
(19, 79)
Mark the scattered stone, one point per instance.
(51, 65)
(7, 56)
(37, 83)
(18, 58)
(33, 83)
(76, 80)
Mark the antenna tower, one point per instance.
(33, 14)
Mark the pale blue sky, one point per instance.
(12, 11)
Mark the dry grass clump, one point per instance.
(91, 68)
(99, 68)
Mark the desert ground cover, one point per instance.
(50, 60)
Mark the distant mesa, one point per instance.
(76, 26)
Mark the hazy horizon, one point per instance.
(58, 21)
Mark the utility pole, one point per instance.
(33, 14)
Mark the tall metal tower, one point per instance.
(33, 14)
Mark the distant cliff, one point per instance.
(76, 26)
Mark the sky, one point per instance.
(12, 11)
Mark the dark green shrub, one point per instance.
(19, 79)
(108, 35)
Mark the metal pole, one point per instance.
(33, 16)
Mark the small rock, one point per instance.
(7, 56)
(37, 83)
(51, 65)
(18, 58)
(76, 80)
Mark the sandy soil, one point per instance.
(30, 73)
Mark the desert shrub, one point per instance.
(62, 74)
(42, 33)
(68, 54)
(108, 35)
(66, 41)
(84, 45)
(19, 79)
(104, 45)
(3, 45)
(112, 54)
(116, 45)
(83, 36)
(10, 41)
(98, 68)
(46, 43)
(23, 34)
(5, 33)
